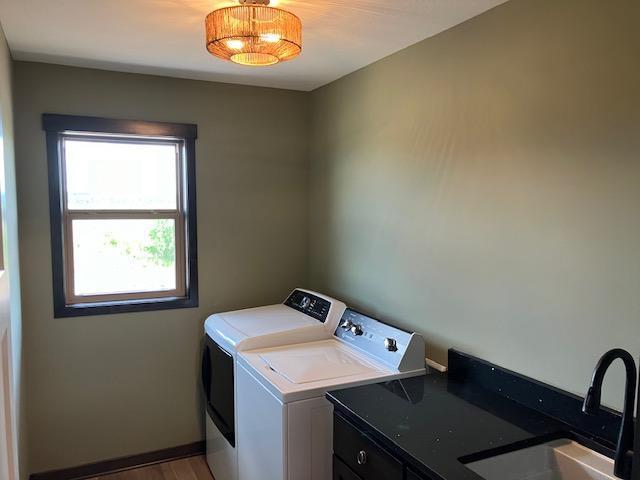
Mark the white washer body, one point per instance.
(266, 326)
(285, 424)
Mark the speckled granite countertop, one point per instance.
(433, 421)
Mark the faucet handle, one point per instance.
(591, 402)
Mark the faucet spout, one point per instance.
(624, 450)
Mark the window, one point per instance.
(122, 208)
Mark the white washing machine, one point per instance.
(285, 425)
(304, 316)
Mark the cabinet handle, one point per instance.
(362, 457)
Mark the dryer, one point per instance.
(303, 316)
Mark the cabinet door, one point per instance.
(361, 454)
(411, 475)
(342, 472)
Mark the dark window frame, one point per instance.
(56, 125)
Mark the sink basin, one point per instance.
(557, 460)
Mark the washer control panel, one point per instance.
(386, 343)
(309, 304)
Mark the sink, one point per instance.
(557, 460)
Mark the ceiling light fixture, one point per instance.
(253, 33)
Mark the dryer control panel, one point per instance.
(390, 345)
(309, 304)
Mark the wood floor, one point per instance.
(192, 468)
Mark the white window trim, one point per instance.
(177, 215)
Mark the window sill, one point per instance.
(127, 306)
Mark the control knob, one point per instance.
(357, 330)
(304, 303)
(390, 344)
(346, 324)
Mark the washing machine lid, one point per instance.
(315, 362)
(308, 370)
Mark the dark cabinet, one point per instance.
(411, 475)
(342, 472)
(361, 455)
(357, 456)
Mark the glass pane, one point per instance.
(116, 176)
(118, 256)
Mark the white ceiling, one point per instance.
(166, 37)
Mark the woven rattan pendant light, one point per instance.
(253, 33)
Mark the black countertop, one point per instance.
(433, 421)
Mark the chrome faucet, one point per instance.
(624, 451)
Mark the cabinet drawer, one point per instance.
(342, 472)
(361, 454)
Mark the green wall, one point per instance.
(107, 386)
(482, 187)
